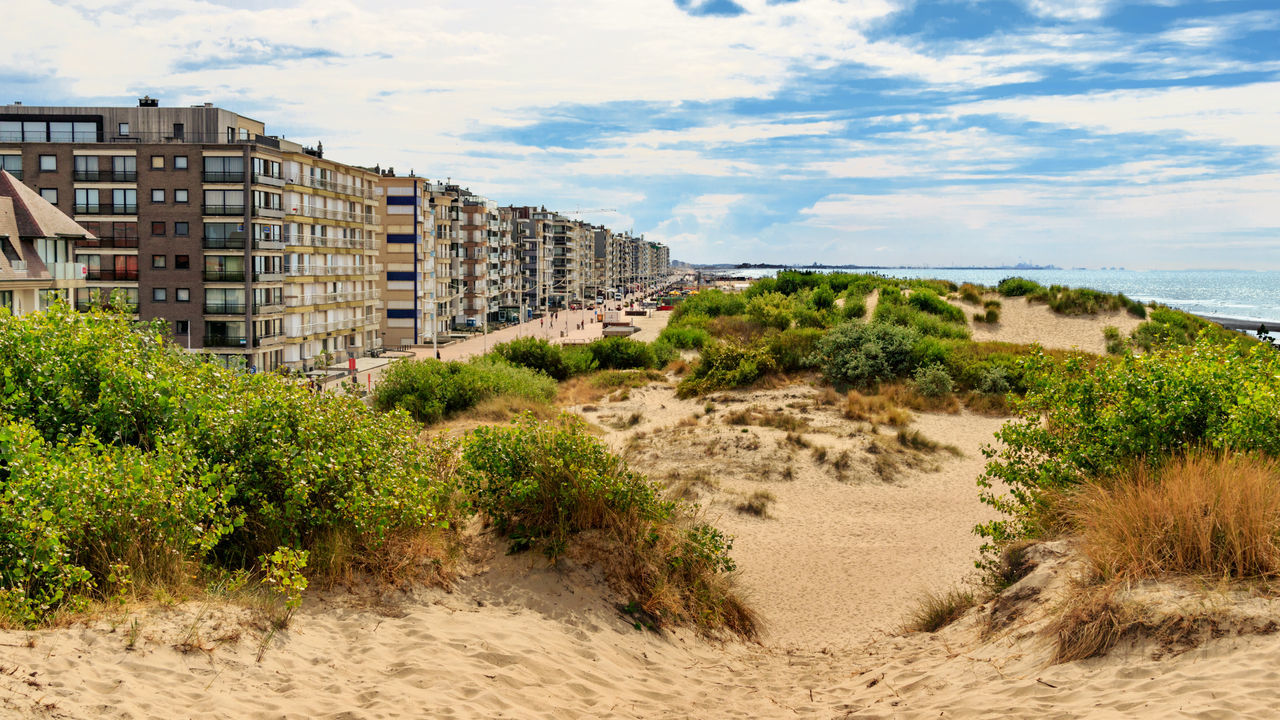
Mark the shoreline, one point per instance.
(1239, 324)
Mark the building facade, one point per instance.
(37, 250)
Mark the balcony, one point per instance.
(223, 340)
(268, 212)
(259, 244)
(332, 270)
(272, 180)
(223, 275)
(87, 305)
(108, 242)
(111, 275)
(307, 240)
(320, 213)
(268, 277)
(107, 209)
(209, 243)
(333, 186)
(326, 298)
(220, 176)
(269, 307)
(226, 210)
(105, 176)
(224, 308)
(268, 339)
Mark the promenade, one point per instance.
(566, 326)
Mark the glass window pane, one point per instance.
(35, 131)
(60, 132)
(85, 131)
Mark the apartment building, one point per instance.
(191, 211)
(409, 256)
(332, 290)
(530, 228)
(488, 271)
(37, 265)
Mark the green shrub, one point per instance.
(430, 390)
(858, 355)
(541, 485)
(664, 353)
(1017, 287)
(794, 350)
(991, 316)
(727, 365)
(993, 380)
(928, 301)
(535, 354)
(578, 360)
(901, 314)
(1115, 343)
(1080, 422)
(932, 381)
(710, 304)
(854, 308)
(823, 298)
(620, 353)
(136, 459)
(685, 338)
(971, 294)
(772, 310)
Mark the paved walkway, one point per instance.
(566, 326)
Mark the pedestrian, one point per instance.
(437, 354)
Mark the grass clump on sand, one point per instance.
(128, 463)
(1070, 301)
(543, 485)
(935, 611)
(756, 504)
(430, 390)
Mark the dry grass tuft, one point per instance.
(1201, 514)
(916, 440)
(687, 421)
(687, 485)
(1090, 625)
(875, 409)
(756, 504)
(506, 407)
(934, 612)
(798, 440)
(827, 397)
(904, 395)
(756, 415)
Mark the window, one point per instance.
(231, 134)
(181, 229)
(86, 167)
(157, 162)
(180, 196)
(158, 262)
(12, 164)
(159, 295)
(183, 295)
(50, 195)
(182, 327)
(179, 131)
(157, 228)
(124, 129)
(86, 201)
(48, 163)
(124, 168)
(124, 202)
(223, 202)
(180, 162)
(181, 262)
(157, 196)
(224, 170)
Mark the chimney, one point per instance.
(148, 101)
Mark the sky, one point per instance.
(1081, 133)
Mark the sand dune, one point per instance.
(832, 568)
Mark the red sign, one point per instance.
(351, 364)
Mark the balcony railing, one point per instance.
(223, 340)
(108, 242)
(333, 186)
(320, 213)
(268, 276)
(224, 308)
(224, 275)
(222, 176)
(330, 270)
(259, 244)
(107, 209)
(109, 274)
(269, 306)
(222, 243)
(223, 209)
(325, 298)
(111, 176)
(264, 179)
(306, 240)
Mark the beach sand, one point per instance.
(833, 569)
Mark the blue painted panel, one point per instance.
(400, 200)
(400, 275)
(400, 312)
(401, 238)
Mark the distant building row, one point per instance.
(256, 247)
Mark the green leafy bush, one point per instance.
(535, 354)
(710, 304)
(430, 390)
(685, 338)
(795, 349)
(928, 301)
(823, 298)
(124, 456)
(858, 355)
(664, 353)
(727, 365)
(1017, 287)
(619, 353)
(543, 484)
(771, 311)
(1080, 422)
(932, 381)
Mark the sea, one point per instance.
(1237, 294)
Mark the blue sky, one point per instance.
(1075, 132)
